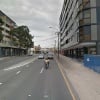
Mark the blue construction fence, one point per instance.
(92, 62)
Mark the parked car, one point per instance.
(41, 56)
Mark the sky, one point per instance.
(41, 17)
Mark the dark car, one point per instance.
(50, 56)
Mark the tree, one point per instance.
(1, 35)
(23, 36)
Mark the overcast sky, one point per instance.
(38, 15)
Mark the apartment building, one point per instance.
(7, 46)
(80, 27)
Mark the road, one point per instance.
(24, 78)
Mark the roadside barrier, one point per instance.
(92, 62)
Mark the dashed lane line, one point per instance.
(20, 64)
(18, 72)
(42, 70)
(1, 83)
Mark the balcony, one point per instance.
(7, 44)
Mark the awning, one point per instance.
(80, 45)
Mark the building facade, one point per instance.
(80, 27)
(7, 46)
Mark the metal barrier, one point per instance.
(92, 62)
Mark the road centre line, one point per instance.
(29, 95)
(45, 96)
(18, 72)
(20, 64)
(1, 83)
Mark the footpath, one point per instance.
(2, 58)
(84, 81)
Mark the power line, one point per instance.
(47, 39)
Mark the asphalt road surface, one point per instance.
(25, 78)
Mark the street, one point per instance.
(24, 78)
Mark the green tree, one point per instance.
(23, 36)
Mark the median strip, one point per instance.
(20, 64)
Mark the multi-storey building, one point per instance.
(7, 46)
(80, 27)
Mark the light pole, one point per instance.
(58, 34)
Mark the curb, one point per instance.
(72, 91)
(2, 58)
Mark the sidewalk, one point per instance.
(85, 81)
(2, 58)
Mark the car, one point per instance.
(50, 56)
(41, 56)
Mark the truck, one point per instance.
(30, 51)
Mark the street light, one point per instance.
(58, 33)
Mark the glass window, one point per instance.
(81, 22)
(86, 5)
(87, 21)
(81, 30)
(87, 29)
(85, 1)
(86, 13)
(98, 3)
(98, 15)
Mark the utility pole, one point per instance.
(58, 33)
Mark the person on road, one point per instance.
(46, 61)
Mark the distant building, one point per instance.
(37, 49)
(7, 46)
(80, 27)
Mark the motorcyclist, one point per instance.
(46, 60)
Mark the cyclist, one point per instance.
(46, 61)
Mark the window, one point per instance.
(81, 22)
(81, 30)
(87, 29)
(86, 13)
(85, 1)
(85, 33)
(98, 15)
(87, 21)
(86, 5)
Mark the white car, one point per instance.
(41, 56)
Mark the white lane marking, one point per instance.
(18, 72)
(42, 70)
(20, 64)
(1, 83)
(29, 95)
(45, 96)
